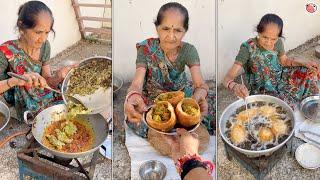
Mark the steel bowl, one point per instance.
(310, 108)
(152, 170)
(4, 109)
(118, 83)
(97, 102)
(231, 109)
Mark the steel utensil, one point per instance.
(73, 99)
(231, 109)
(58, 112)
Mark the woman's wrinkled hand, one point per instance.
(34, 80)
(199, 96)
(241, 90)
(134, 108)
(203, 104)
(184, 143)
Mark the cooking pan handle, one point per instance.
(26, 119)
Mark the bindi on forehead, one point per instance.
(172, 23)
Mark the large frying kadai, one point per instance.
(231, 109)
(56, 113)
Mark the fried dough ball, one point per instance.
(238, 134)
(246, 115)
(267, 111)
(265, 134)
(279, 127)
(274, 118)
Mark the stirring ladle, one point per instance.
(245, 99)
(71, 98)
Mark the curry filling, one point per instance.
(189, 109)
(161, 113)
(165, 97)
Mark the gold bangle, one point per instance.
(228, 84)
(232, 85)
(133, 93)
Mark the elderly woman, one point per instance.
(28, 56)
(269, 70)
(160, 67)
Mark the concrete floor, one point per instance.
(287, 167)
(8, 159)
(121, 159)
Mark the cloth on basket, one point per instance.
(306, 130)
(141, 151)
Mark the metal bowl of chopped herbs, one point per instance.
(90, 82)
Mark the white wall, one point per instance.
(237, 20)
(65, 25)
(133, 22)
